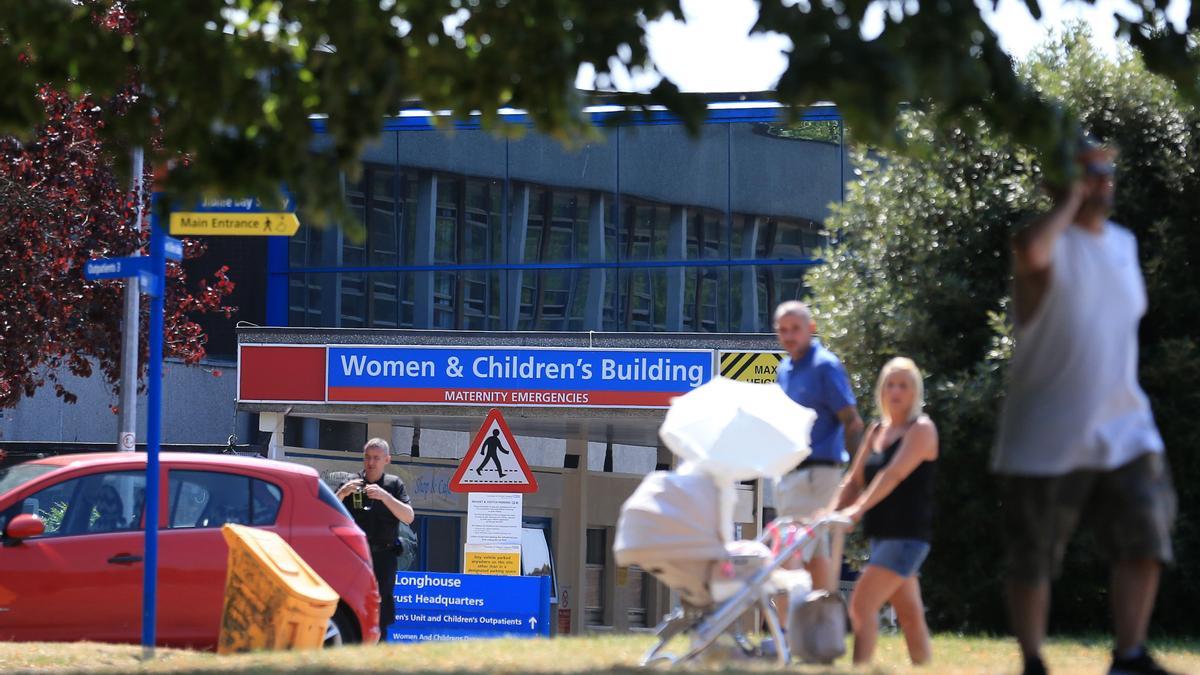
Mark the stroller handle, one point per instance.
(833, 522)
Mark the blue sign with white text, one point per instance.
(172, 248)
(115, 268)
(514, 376)
(438, 607)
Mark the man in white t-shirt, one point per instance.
(1077, 439)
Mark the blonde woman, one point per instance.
(890, 489)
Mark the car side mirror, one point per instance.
(24, 526)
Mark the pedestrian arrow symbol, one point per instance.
(493, 462)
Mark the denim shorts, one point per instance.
(902, 556)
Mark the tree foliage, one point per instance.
(233, 83)
(61, 205)
(923, 270)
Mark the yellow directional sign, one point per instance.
(242, 224)
(750, 366)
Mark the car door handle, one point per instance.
(125, 559)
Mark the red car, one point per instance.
(72, 544)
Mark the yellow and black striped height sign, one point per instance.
(750, 366)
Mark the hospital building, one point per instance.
(575, 288)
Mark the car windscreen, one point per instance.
(13, 477)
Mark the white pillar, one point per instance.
(272, 423)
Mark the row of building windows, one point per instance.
(471, 232)
(560, 226)
(689, 299)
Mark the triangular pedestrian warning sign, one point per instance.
(493, 462)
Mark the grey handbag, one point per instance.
(817, 626)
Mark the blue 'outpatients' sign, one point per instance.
(514, 376)
(115, 268)
(438, 607)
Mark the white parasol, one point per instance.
(738, 431)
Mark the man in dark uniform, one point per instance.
(383, 505)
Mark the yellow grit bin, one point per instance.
(273, 599)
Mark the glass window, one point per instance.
(354, 248)
(439, 549)
(559, 193)
(374, 299)
(446, 229)
(536, 560)
(554, 299)
(353, 309)
(645, 300)
(665, 232)
(390, 299)
(468, 226)
(93, 504)
(595, 591)
(636, 594)
(305, 299)
(481, 300)
(384, 201)
(788, 239)
(341, 435)
(670, 299)
(12, 477)
(559, 225)
(211, 499)
(706, 234)
(646, 230)
(758, 290)
(482, 226)
(705, 299)
(457, 177)
(674, 193)
(466, 300)
(309, 246)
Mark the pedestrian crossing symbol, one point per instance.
(493, 462)
(745, 366)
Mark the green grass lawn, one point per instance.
(595, 654)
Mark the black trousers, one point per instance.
(384, 562)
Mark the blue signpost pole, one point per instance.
(153, 431)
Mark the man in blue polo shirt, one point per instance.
(813, 377)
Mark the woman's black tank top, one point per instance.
(906, 513)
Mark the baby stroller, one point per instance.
(670, 528)
(677, 526)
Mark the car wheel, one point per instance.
(342, 629)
